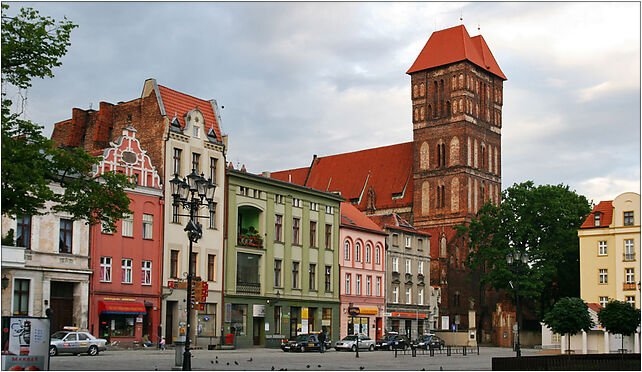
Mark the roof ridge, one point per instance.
(182, 93)
(363, 150)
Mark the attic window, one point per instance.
(597, 218)
(197, 130)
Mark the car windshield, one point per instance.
(350, 338)
(301, 338)
(59, 335)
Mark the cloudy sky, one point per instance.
(298, 79)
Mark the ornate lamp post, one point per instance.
(515, 262)
(192, 193)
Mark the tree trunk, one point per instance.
(568, 343)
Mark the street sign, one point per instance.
(183, 284)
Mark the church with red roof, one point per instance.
(440, 179)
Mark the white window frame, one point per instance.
(408, 242)
(603, 276)
(197, 131)
(377, 256)
(378, 286)
(126, 267)
(368, 285)
(148, 226)
(105, 269)
(408, 266)
(420, 267)
(408, 295)
(395, 264)
(420, 295)
(357, 283)
(366, 253)
(395, 295)
(128, 225)
(104, 227)
(630, 300)
(348, 284)
(603, 300)
(357, 252)
(346, 252)
(629, 275)
(602, 248)
(629, 249)
(146, 277)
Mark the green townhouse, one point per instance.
(281, 274)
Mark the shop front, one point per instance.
(126, 319)
(366, 319)
(412, 324)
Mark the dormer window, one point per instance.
(597, 218)
(197, 131)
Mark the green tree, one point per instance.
(619, 317)
(32, 45)
(539, 220)
(569, 316)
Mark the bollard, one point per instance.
(477, 349)
(464, 351)
(432, 352)
(448, 350)
(414, 350)
(179, 348)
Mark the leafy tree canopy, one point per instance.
(539, 220)
(569, 316)
(32, 45)
(619, 317)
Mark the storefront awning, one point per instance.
(112, 307)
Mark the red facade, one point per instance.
(125, 288)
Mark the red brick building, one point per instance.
(441, 178)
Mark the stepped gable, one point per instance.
(181, 104)
(383, 173)
(454, 45)
(352, 217)
(606, 210)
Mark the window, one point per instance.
(629, 275)
(368, 286)
(314, 206)
(148, 226)
(408, 294)
(408, 240)
(21, 297)
(597, 218)
(193, 263)
(295, 230)
(211, 267)
(420, 295)
(146, 275)
(348, 286)
(277, 320)
(395, 240)
(420, 268)
(313, 234)
(277, 273)
(604, 300)
(378, 286)
(279, 199)
(630, 300)
(173, 264)
(420, 243)
(197, 131)
(239, 319)
(629, 250)
(313, 277)
(377, 256)
(213, 162)
(329, 209)
(628, 218)
(328, 236)
(295, 274)
(296, 202)
(395, 264)
(23, 233)
(357, 252)
(248, 277)
(602, 251)
(128, 225)
(104, 227)
(105, 269)
(213, 217)
(328, 278)
(278, 228)
(395, 295)
(177, 161)
(175, 212)
(358, 285)
(408, 268)
(126, 267)
(66, 233)
(603, 276)
(367, 252)
(196, 162)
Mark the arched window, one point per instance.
(346, 253)
(415, 90)
(447, 108)
(483, 156)
(453, 84)
(461, 80)
(357, 252)
(377, 255)
(442, 246)
(424, 160)
(416, 114)
(367, 253)
(429, 116)
(422, 90)
(422, 113)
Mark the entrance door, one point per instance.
(169, 324)
(62, 303)
(379, 324)
(257, 330)
(409, 328)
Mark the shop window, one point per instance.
(326, 322)
(277, 320)
(239, 319)
(295, 321)
(121, 325)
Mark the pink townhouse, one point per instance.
(362, 274)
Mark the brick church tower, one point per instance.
(456, 91)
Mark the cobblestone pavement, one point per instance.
(265, 359)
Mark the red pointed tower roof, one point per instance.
(454, 45)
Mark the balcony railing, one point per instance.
(250, 240)
(247, 287)
(628, 286)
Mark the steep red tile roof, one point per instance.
(454, 45)
(352, 217)
(606, 210)
(180, 104)
(595, 307)
(388, 170)
(394, 221)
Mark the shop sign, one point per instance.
(408, 315)
(28, 345)
(118, 299)
(258, 311)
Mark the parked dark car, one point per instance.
(430, 341)
(392, 341)
(304, 342)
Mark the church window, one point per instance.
(453, 84)
(422, 113)
(422, 89)
(483, 156)
(415, 90)
(442, 246)
(429, 112)
(447, 108)
(425, 198)
(416, 114)
(475, 153)
(461, 80)
(454, 194)
(423, 156)
(461, 105)
(454, 151)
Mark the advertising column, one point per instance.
(25, 343)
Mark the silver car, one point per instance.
(75, 342)
(350, 343)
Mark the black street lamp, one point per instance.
(192, 193)
(515, 262)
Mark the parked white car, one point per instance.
(75, 343)
(350, 343)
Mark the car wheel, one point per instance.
(371, 348)
(93, 350)
(303, 350)
(53, 351)
(353, 348)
